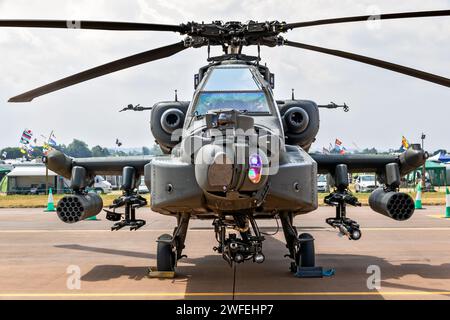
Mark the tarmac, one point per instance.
(43, 258)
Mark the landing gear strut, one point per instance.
(301, 247)
(170, 248)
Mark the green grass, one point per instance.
(40, 201)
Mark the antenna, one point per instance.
(259, 54)
(293, 94)
(176, 95)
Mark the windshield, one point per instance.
(253, 102)
(231, 79)
(231, 88)
(368, 178)
(322, 179)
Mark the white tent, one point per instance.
(31, 179)
(30, 171)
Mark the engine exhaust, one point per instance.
(74, 208)
(396, 205)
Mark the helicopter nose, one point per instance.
(219, 169)
(214, 168)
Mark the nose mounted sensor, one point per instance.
(254, 173)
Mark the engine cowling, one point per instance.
(165, 119)
(300, 120)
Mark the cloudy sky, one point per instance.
(384, 105)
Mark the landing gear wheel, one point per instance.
(165, 256)
(307, 254)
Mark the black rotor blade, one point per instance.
(93, 25)
(386, 16)
(131, 61)
(375, 62)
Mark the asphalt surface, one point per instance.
(37, 250)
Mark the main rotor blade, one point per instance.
(131, 61)
(385, 16)
(93, 25)
(375, 62)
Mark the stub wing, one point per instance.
(62, 164)
(407, 161)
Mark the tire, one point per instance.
(307, 252)
(165, 257)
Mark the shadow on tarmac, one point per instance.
(211, 274)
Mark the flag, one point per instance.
(23, 141)
(26, 136)
(338, 147)
(46, 148)
(405, 143)
(51, 140)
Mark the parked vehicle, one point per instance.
(365, 183)
(322, 183)
(101, 185)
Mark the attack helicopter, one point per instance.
(233, 154)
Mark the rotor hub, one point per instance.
(235, 34)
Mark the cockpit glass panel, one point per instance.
(231, 79)
(232, 88)
(252, 102)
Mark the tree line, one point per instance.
(80, 149)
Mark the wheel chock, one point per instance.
(309, 272)
(329, 272)
(314, 272)
(154, 273)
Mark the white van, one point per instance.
(322, 183)
(101, 185)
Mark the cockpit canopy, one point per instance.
(235, 88)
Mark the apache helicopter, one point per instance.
(233, 154)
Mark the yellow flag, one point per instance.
(405, 142)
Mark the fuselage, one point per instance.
(230, 154)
